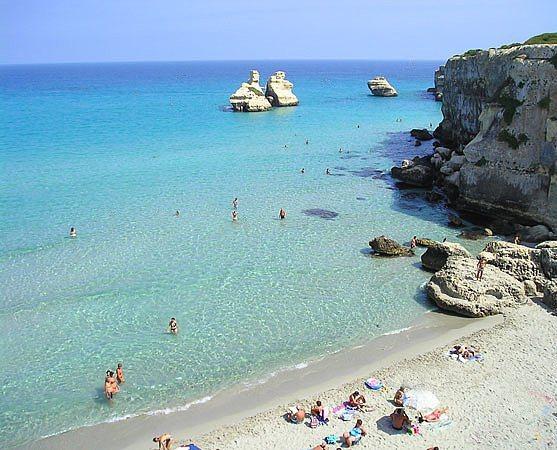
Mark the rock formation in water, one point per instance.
(279, 90)
(250, 96)
(380, 87)
(385, 246)
(438, 84)
(500, 120)
(437, 254)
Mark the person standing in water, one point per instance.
(177, 213)
(234, 215)
(282, 214)
(120, 378)
(235, 203)
(173, 326)
(73, 232)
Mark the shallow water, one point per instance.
(115, 149)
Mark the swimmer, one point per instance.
(234, 216)
(120, 378)
(235, 203)
(177, 213)
(73, 232)
(340, 150)
(358, 126)
(327, 172)
(282, 214)
(173, 326)
(307, 141)
(303, 170)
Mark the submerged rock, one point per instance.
(380, 87)
(279, 90)
(455, 288)
(389, 247)
(250, 96)
(437, 254)
(323, 213)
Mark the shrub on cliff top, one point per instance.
(545, 38)
(511, 140)
(544, 102)
(472, 52)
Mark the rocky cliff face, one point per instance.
(279, 90)
(500, 112)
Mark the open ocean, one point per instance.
(115, 149)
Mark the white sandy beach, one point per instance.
(507, 401)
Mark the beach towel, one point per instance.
(478, 357)
(373, 384)
(331, 439)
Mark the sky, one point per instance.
(50, 31)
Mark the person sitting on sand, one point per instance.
(322, 446)
(319, 411)
(399, 419)
(398, 400)
(414, 242)
(356, 400)
(234, 216)
(296, 415)
(164, 440)
(73, 232)
(355, 434)
(480, 268)
(173, 326)
(282, 214)
(120, 374)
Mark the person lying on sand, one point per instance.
(433, 416)
(164, 440)
(356, 400)
(399, 419)
(399, 397)
(355, 434)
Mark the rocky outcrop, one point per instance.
(425, 242)
(422, 134)
(439, 83)
(455, 288)
(385, 246)
(417, 172)
(550, 294)
(250, 96)
(279, 90)
(380, 87)
(500, 114)
(437, 255)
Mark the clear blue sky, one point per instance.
(153, 30)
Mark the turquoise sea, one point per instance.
(115, 149)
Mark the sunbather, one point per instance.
(399, 419)
(321, 446)
(296, 416)
(399, 397)
(319, 411)
(355, 434)
(435, 415)
(356, 400)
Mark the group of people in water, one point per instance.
(112, 383)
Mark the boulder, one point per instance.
(455, 288)
(436, 160)
(250, 97)
(452, 180)
(530, 288)
(472, 235)
(444, 152)
(425, 242)
(417, 143)
(437, 255)
(416, 175)
(550, 294)
(548, 262)
(446, 169)
(537, 233)
(385, 246)
(421, 134)
(547, 244)
(279, 90)
(455, 221)
(456, 161)
(380, 87)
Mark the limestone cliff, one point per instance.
(500, 113)
(279, 90)
(250, 96)
(380, 87)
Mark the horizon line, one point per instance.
(2, 64)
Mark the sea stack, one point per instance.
(250, 96)
(279, 90)
(380, 87)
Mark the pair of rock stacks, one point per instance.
(250, 96)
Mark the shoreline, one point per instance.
(230, 406)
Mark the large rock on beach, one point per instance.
(550, 294)
(455, 288)
(380, 87)
(437, 254)
(385, 246)
(279, 90)
(250, 96)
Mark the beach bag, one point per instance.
(373, 383)
(331, 439)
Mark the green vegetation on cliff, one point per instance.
(544, 102)
(511, 140)
(545, 38)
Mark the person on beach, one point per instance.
(480, 268)
(120, 374)
(235, 203)
(110, 385)
(322, 446)
(73, 232)
(319, 411)
(173, 326)
(517, 239)
(398, 400)
(399, 419)
(164, 441)
(282, 214)
(355, 434)
(296, 415)
(414, 242)
(356, 400)
(234, 215)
